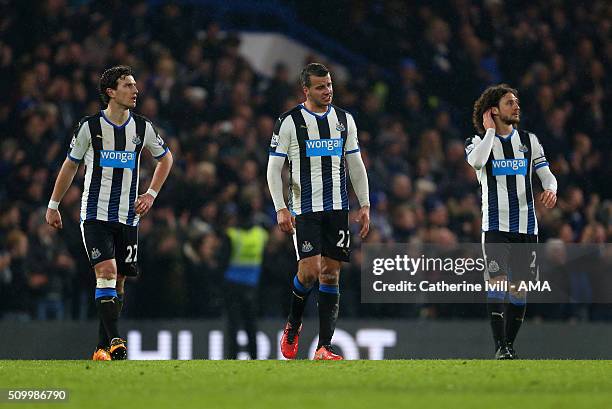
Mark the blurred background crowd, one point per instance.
(424, 65)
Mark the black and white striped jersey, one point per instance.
(316, 145)
(506, 182)
(111, 155)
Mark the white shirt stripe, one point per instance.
(502, 190)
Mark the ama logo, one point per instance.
(118, 159)
(502, 167)
(324, 147)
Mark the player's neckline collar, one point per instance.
(506, 138)
(315, 114)
(113, 124)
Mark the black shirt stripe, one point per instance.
(95, 129)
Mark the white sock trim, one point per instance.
(104, 283)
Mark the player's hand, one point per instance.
(285, 220)
(549, 198)
(363, 218)
(487, 120)
(143, 204)
(54, 218)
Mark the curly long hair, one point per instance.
(488, 99)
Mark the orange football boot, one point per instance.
(101, 354)
(325, 353)
(289, 341)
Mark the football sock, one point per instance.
(106, 303)
(495, 310)
(103, 340)
(329, 298)
(515, 314)
(299, 296)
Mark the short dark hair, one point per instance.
(110, 78)
(488, 99)
(314, 68)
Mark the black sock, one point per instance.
(329, 300)
(103, 340)
(299, 296)
(495, 310)
(108, 313)
(515, 314)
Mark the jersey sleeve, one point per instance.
(352, 143)
(539, 158)
(81, 140)
(279, 145)
(470, 144)
(154, 143)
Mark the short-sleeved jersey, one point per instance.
(506, 182)
(111, 155)
(316, 145)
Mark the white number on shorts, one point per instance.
(533, 262)
(132, 251)
(345, 239)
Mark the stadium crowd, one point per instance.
(412, 106)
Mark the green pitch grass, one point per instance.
(315, 385)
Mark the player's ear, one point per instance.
(494, 111)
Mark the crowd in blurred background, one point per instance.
(412, 105)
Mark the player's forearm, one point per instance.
(359, 178)
(478, 157)
(549, 181)
(64, 179)
(275, 181)
(162, 170)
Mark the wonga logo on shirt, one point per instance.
(324, 147)
(509, 167)
(118, 159)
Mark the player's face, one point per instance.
(509, 110)
(126, 93)
(320, 92)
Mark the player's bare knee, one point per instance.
(106, 270)
(309, 270)
(308, 280)
(330, 272)
(106, 273)
(329, 277)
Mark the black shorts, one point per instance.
(325, 233)
(112, 240)
(511, 254)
